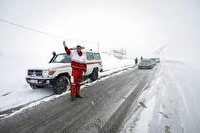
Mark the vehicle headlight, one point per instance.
(45, 73)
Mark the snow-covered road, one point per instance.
(23, 95)
(172, 102)
(103, 107)
(165, 99)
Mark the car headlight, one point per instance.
(45, 73)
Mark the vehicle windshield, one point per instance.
(61, 58)
(145, 60)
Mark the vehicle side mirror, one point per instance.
(54, 53)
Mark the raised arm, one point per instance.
(67, 50)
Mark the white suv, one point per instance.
(57, 72)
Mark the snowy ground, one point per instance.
(172, 102)
(14, 91)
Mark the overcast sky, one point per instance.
(140, 26)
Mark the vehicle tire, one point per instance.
(61, 85)
(94, 76)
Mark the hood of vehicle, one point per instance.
(50, 66)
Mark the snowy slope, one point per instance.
(111, 62)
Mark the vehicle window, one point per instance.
(61, 58)
(97, 56)
(145, 60)
(89, 56)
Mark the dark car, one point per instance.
(146, 64)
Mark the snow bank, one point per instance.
(174, 107)
(142, 112)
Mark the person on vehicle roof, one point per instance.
(79, 66)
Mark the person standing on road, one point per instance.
(136, 61)
(79, 66)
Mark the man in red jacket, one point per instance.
(79, 66)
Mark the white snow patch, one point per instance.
(111, 62)
(176, 107)
(142, 125)
(34, 104)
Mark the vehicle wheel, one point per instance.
(94, 75)
(61, 85)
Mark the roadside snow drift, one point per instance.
(172, 102)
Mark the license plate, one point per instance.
(33, 81)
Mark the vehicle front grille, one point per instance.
(34, 72)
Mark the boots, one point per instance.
(72, 98)
(79, 96)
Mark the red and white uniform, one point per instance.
(79, 66)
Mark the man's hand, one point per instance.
(64, 44)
